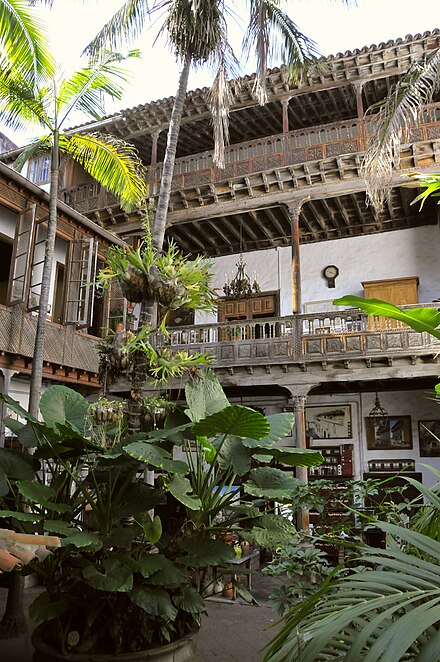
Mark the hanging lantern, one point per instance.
(378, 415)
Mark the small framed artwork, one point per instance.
(328, 422)
(394, 435)
(429, 438)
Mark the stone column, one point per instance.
(299, 402)
(5, 388)
(294, 209)
(285, 105)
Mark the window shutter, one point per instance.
(21, 256)
(36, 271)
(80, 282)
(117, 305)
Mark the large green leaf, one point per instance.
(82, 539)
(137, 498)
(117, 577)
(21, 517)
(271, 532)
(16, 465)
(152, 528)
(44, 609)
(154, 601)
(296, 457)
(280, 427)
(419, 319)
(204, 396)
(61, 405)
(119, 537)
(159, 570)
(270, 483)
(236, 420)
(36, 492)
(203, 551)
(236, 456)
(181, 489)
(156, 457)
(189, 600)
(4, 485)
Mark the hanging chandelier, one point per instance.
(239, 285)
(378, 415)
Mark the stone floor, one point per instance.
(231, 630)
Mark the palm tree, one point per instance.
(22, 40)
(113, 163)
(397, 113)
(197, 31)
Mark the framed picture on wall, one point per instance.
(394, 435)
(429, 438)
(328, 422)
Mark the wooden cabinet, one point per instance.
(265, 305)
(398, 291)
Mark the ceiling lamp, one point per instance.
(239, 285)
(378, 415)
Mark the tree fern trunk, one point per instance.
(170, 156)
(37, 362)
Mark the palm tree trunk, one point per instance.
(37, 362)
(170, 156)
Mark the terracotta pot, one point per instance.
(228, 591)
(183, 650)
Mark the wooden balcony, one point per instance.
(69, 355)
(336, 336)
(264, 154)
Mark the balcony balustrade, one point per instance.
(336, 334)
(246, 158)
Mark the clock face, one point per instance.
(331, 271)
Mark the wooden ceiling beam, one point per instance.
(281, 231)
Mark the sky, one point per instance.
(334, 27)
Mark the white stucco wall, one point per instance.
(8, 219)
(398, 254)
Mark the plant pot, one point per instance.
(182, 650)
(228, 590)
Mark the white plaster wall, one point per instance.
(273, 270)
(399, 254)
(398, 403)
(8, 219)
(411, 252)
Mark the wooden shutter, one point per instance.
(21, 256)
(80, 282)
(36, 268)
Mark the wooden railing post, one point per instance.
(358, 85)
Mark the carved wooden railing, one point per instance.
(303, 337)
(242, 159)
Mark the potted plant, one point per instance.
(125, 581)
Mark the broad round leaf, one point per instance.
(154, 601)
(203, 551)
(116, 578)
(189, 601)
(236, 420)
(181, 489)
(156, 457)
(234, 454)
(270, 483)
(43, 609)
(280, 428)
(296, 457)
(60, 405)
(16, 465)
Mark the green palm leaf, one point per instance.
(23, 41)
(124, 26)
(419, 319)
(113, 163)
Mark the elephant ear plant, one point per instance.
(125, 579)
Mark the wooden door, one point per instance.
(398, 291)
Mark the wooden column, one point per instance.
(294, 210)
(153, 160)
(299, 402)
(5, 389)
(285, 105)
(360, 112)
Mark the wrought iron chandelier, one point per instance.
(378, 415)
(239, 285)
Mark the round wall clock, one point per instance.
(330, 272)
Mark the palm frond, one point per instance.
(20, 103)
(195, 29)
(386, 612)
(123, 27)
(85, 90)
(23, 41)
(398, 113)
(37, 148)
(113, 163)
(276, 36)
(220, 99)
